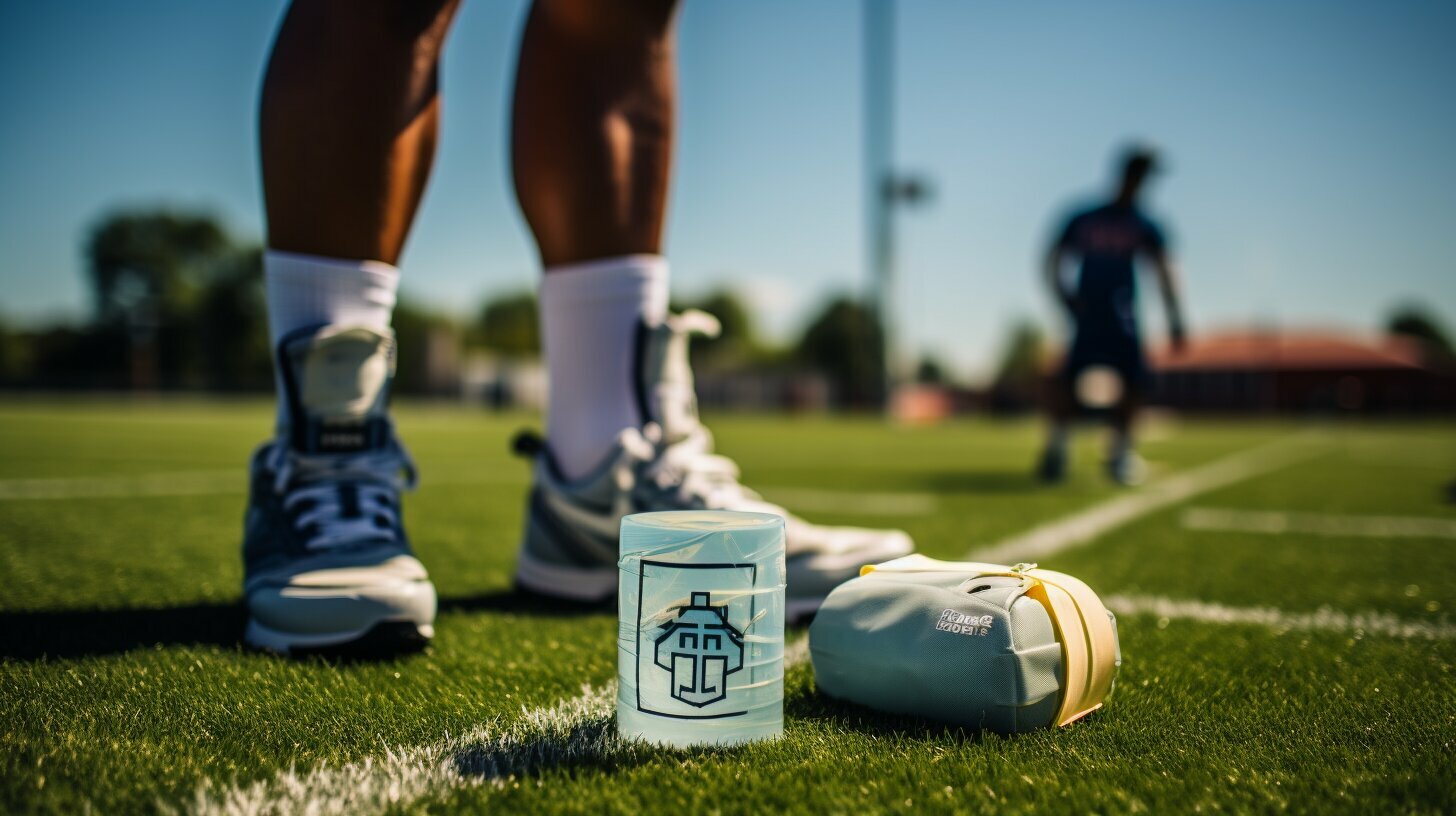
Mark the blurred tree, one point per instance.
(429, 350)
(845, 343)
(147, 270)
(1018, 377)
(737, 344)
(509, 325)
(232, 325)
(930, 371)
(1418, 324)
(93, 357)
(14, 354)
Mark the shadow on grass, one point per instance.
(815, 705)
(72, 633)
(64, 633)
(590, 743)
(573, 739)
(565, 740)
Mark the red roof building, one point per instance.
(1301, 371)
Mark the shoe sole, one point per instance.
(598, 585)
(390, 618)
(382, 640)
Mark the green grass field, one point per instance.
(123, 685)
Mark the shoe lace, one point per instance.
(343, 498)
(684, 463)
(696, 475)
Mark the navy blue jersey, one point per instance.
(1108, 239)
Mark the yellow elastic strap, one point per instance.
(1085, 627)
(1077, 653)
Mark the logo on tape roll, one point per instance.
(699, 649)
(689, 647)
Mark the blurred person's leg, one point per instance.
(1124, 415)
(1061, 406)
(347, 128)
(591, 146)
(1124, 466)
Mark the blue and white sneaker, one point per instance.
(569, 547)
(326, 561)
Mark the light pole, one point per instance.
(884, 187)
(879, 149)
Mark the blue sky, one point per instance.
(1311, 178)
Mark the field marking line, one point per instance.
(1324, 619)
(1223, 519)
(1087, 525)
(572, 731)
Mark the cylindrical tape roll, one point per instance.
(700, 643)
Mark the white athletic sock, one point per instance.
(309, 290)
(589, 318)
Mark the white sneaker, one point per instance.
(569, 547)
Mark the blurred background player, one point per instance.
(348, 125)
(1102, 305)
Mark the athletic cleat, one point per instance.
(569, 547)
(327, 565)
(1127, 469)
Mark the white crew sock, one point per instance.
(309, 290)
(589, 318)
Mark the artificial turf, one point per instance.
(123, 686)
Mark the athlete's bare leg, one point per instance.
(348, 123)
(593, 126)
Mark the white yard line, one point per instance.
(573, 730)
(1221, 519)
(569, 732)
(1323, 619)
(1083, 527)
